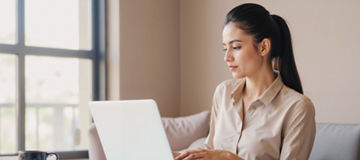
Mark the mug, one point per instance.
(35, 155)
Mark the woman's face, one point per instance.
(241, 56)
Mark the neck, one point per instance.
(258, 83)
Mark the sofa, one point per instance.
(332, 141)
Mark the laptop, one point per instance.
(131, 130)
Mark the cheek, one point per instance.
(248, 61)
(246, 58)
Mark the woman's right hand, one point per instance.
(206, 154)
(175, 154)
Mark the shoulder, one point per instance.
(297, 103)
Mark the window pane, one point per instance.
(7, 104)
(8, 23)
(58, 23)
(57, 94)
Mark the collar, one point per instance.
(268, 95)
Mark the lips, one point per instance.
(233, 67)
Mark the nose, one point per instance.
(228, 56)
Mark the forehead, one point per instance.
(232, 32)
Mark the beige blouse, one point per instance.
(280, 124)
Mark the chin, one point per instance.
(237, 75)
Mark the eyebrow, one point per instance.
(235, 40)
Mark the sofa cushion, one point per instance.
(200, 143)
(182, 131)
(336, 141)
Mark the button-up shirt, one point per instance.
(280, 124)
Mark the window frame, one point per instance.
(97, 54)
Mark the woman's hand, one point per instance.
(175, 154)
(204, 154)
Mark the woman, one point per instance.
(261, 113)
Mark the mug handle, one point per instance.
(51, 153)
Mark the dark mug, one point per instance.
(35, 155)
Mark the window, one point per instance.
(50, 56)
(7, 104)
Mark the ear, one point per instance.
(265, 47)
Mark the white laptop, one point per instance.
(131, 130)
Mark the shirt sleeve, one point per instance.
(214, 111)
(299, 131)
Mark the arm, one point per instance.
(213, 116)
(299, 131)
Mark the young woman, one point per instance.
(261, 113)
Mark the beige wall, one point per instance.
(170, 50)
(146, 55)
(200, 52)
(325, 38)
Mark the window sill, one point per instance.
(16, 158)
(70, 155)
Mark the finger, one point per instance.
(187, 153)
(175, 154)
(196, 156)
(190, 157)
(182, 156)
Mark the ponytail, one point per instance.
(287, 66)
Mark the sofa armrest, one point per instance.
(183, 131)
(336, 141)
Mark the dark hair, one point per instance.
(255, 20)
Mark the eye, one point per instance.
(236, 48)
(225, 49)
